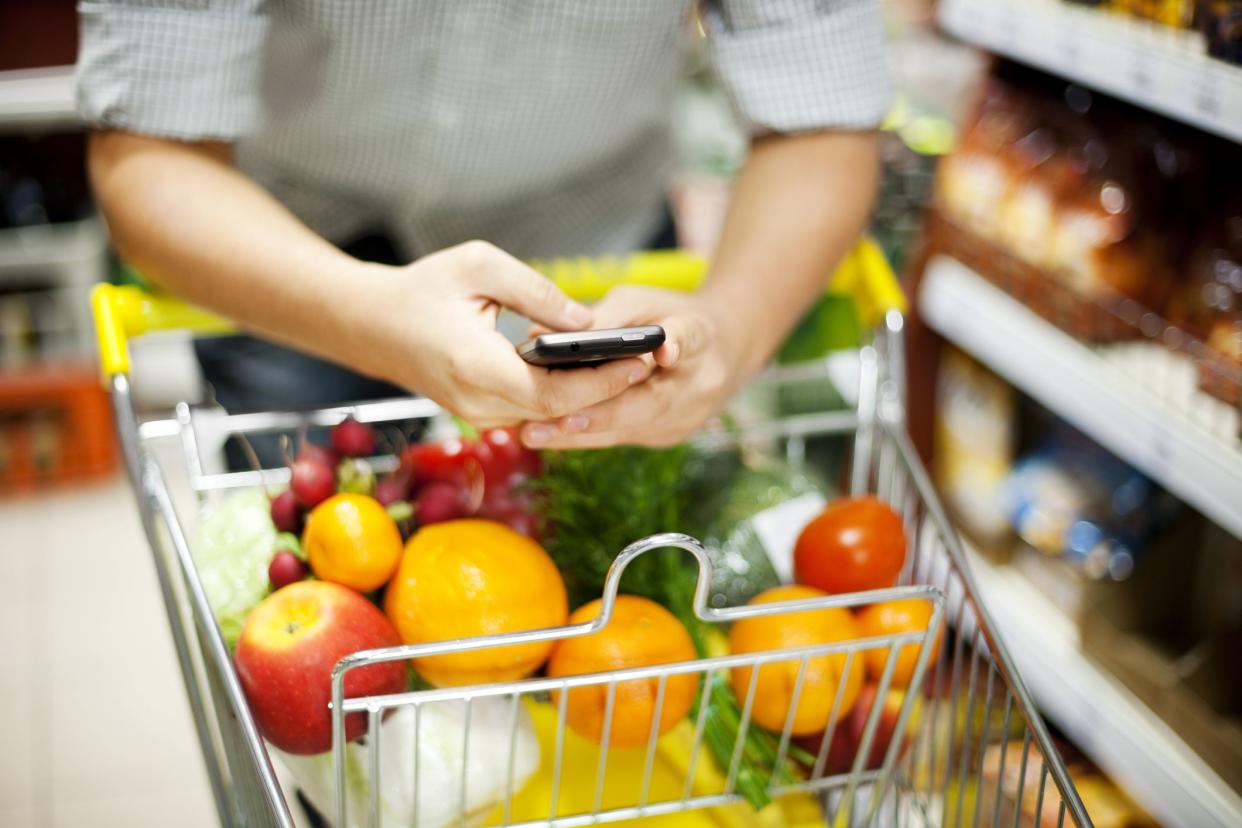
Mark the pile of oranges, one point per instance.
(470, 577)
(854, 545)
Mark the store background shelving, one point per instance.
(37, 98)
(1136, 399)
(1156, 67)
(1111, 394)
(1101, 716)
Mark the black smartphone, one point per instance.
(565, 350)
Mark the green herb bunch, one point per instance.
(594, 504)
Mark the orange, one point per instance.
(350, 540)
(775, 685)
(889, 618)
(640, 633)
(466, 578)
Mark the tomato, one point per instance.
(856, 544)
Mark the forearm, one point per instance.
(797, 208)
(199, 228)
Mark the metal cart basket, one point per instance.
(966, 707)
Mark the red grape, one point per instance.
(285, 569)
(503, 456)
(524, 523)
(513, 507)
(392, 488)
(437, 502)
(351, 438)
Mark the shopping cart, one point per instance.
(966, 707)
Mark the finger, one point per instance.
(502, 278)
(543, 394)
(630, 412)
(597, 440)
(684, 332)
(537, 330)
(627, 307)
(683, 337)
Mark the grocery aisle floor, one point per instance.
(94, 726)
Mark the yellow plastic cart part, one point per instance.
(124, 312)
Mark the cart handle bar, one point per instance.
(125, 312)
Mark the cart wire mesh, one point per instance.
(966, 746)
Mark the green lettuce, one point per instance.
(233, 545)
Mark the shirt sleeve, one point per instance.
(800, 65)
(186, 69)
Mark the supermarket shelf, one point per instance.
(45, 246)
(1107, 392)
(37, 98)
(65, 259)
(1108, 722)
(1156, 67)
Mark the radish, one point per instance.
(285, 569)
(286, 514)
(351, 438)
(318, 454)
(311, 482)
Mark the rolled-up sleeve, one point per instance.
(186, 69)
(800, 65)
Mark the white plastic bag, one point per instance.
(441, 742)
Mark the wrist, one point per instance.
(369, 312)
(747, 327)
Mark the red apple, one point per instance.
(847, 738)
(840, 757)
(286, 653)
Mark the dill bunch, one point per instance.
(595, 503)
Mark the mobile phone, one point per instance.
(566, 350)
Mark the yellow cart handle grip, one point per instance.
(124, 312)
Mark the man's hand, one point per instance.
(433, 329)
(429, 326)
(799, 204)
(703, 361)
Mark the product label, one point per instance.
(778, 529)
